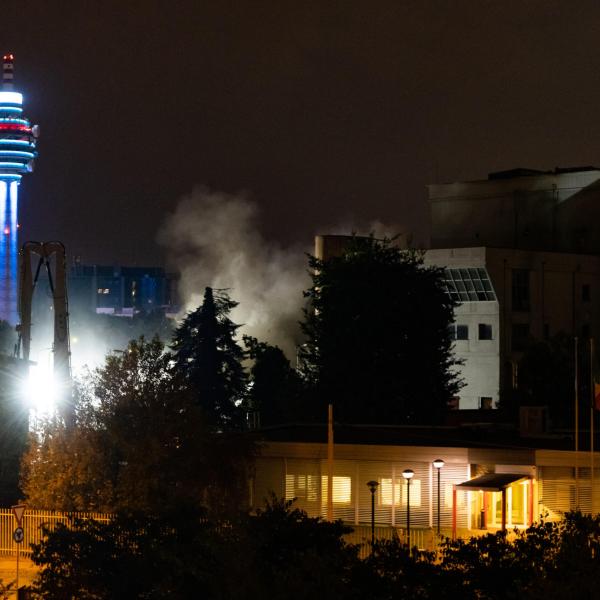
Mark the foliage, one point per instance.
(140, 443)
(276, 389)
(279, 554)
(546, 375)
(378, 339)
(208, 357)
(132, 556)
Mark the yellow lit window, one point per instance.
(447, 492)
(415, 492)
(386, 497)
(303, 487)
(342, 489)
(400, 490)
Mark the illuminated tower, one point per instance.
(17, 151)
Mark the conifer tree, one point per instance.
(210, 359)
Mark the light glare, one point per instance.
(11, 97)
(41, 390)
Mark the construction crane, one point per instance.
(44, 252)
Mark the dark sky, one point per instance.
(322, 111)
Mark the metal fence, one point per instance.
(423, 538)
(32, 526)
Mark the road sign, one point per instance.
(18, 535)
(18, 510)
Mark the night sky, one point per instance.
(324, 112)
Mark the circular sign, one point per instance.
(18, 535)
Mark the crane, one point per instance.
(57, 278)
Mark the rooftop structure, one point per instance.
(523, 209)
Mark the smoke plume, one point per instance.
(213, 240)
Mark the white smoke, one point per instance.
(380, 230)
(213, 240)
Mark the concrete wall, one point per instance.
(480, 370)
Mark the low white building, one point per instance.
(476, 329)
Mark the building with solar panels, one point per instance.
(535, 233)
(476, 329)
(17, 153)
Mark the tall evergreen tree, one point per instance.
(378, 340)
(210, 360)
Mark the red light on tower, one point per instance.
(6, 230)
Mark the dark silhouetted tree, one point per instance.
(276, 388)
(210, 360)
(546, 375)
(378, 340)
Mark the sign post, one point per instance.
(18, 534)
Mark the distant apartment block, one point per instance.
(121, 291)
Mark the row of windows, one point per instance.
(461, 332)
(389, 493)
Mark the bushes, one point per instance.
(281, 553)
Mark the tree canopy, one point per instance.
(276, 389)
(140, 442)
(378, 340)
(210, 359)
(281, 553)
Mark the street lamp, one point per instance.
(438, 463)
(372, 485)
(408, 475)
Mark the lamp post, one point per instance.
(438, 463)
(372, 485)
(408, 475)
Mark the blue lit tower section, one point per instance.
(17, 151)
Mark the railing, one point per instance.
(423, 538)
(32, 526)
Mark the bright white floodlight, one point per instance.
(41, 389)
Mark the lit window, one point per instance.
(303, 487)
(100, 290)
(400, 490)
(386, 497)
(486, 402)
(342, 489)
(460, 496)
(415, 492)
(106, 291)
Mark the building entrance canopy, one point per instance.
(492, 482)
